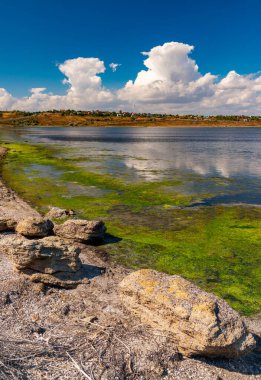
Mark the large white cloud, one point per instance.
(171, 77)
(85, 86)
(171, 82)
(85, 90)
(240, 93)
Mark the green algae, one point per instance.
(217, 247)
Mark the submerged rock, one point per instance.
(81, 230)
(48, 255)
(59, 213)
(201, 323)
(35, 227)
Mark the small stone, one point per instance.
(34, 227)
(59, 213)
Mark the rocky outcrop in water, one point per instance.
(35, 227)
(200, 323)
(81, 230)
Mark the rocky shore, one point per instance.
(67, 312)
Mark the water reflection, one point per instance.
(157, 153)
(222, 152)
(205, 161)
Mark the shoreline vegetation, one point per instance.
(72, 118)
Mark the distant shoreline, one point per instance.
(107, 119)
(133, 126)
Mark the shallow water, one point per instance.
(151, 186)
(225, 162)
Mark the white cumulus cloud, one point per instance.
(85, 86)
(170, 82)
(171, 77)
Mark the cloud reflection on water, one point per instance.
(213, 161)
(153, 153)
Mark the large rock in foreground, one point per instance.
(35, 227)
(81, 230)
(201, 323)
(48, 255)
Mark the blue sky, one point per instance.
(36, 36)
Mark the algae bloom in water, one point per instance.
(168, 199)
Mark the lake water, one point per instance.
(225, 162)
(162, 192)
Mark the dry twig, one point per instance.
(76, 365)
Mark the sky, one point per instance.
(174, 56)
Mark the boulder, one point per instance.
(48, 255)
(7, 224)
(81, 230)
(34, 227)
(59, 213)
(199, 322)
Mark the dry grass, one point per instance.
(51, 333)
(84, 333)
